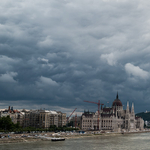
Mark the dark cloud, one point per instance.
(55, 54)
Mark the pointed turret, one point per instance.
(132, 110)
(127, 110)
(117, 96)
(127, 118)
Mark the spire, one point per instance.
(117, 95)
(132, 110)
(127, 110)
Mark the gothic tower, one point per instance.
(127, 118)
(132, 118)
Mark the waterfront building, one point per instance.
(35, 118)
(15, 115)
(61, 119)
(113, 118)
(44, 118)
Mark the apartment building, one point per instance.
(43, 118)
(15, 115)
(61, 119)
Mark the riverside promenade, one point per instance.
(33, 137)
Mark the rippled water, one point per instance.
(125, 142)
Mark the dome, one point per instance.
(117, 102)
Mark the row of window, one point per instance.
(86, 120)
(106, 126)
(106, 120)
(91, 126)
(96, 121)
(86, 126)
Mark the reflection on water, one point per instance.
(126, 142)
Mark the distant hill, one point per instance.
(144, 115)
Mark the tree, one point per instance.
(6, 123)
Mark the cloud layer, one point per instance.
(59, 53)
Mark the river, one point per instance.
(138, 141)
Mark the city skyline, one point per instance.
(56, 54)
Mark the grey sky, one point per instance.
(56, 53)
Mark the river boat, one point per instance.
(58, 139)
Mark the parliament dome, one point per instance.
(117, 101)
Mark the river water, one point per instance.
(140, 141)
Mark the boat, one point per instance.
(58, 139)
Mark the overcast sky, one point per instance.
(54, 54)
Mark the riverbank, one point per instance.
(17, 138)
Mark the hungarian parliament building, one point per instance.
(113, 118)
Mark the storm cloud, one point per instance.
(56, 53)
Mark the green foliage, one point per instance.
(145, 116)
(6, 123)
(53, 126)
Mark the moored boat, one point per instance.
(58, 139)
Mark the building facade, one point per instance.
(15, 115)
(35, 118)
(113, 118)
(44, 118)
(61, 119)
